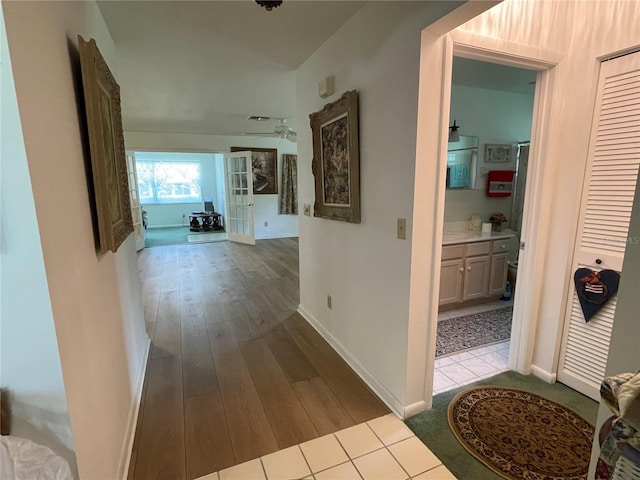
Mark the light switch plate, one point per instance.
(402, 229)
(307, 209)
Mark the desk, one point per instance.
(204, 221)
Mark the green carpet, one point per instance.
(433, 429)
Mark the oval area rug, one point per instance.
(521, 435)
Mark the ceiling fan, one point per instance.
(282, 130)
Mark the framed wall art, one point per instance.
(265, 169)
(106, 147)
(336, 160)
(497, 153)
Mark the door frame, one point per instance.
(439, 45)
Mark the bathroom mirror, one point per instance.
(462, 162)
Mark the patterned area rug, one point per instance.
(519, 434)
(462, 333)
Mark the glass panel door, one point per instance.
(239, 183)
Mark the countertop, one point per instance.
(468, 236)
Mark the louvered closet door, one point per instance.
(614, 157)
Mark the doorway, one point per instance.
(182, 195)
(438, 50)
(492, 107)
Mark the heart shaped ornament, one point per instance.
(594, 289)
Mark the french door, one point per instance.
(238, 174)
(136, 208)
(607, 201)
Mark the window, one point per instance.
(169, 182)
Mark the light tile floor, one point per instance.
(381, 449)
(463, 368)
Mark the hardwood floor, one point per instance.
(234, 372)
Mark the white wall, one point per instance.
(177, 214)
(611, 27)
(96, 299)
(266, 206)
(364, 267)
(30, 367)
(495, 117)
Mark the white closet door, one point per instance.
(612, 172)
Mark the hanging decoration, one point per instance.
(594, 289)
(269, 4)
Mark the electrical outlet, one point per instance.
(329, 301)
(266, 224)
(402, 229)
(307, 209)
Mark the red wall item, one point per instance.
(500, 183)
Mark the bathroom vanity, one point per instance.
(474, 267)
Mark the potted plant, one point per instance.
(497, 219)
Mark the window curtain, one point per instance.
(289, 189)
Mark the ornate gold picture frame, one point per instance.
(336, 160)
(106, 146)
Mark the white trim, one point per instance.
(378, 388)
(172, 225)
(535, 215)
(488, 49)
(436, 59)
(132, 421)
(280, 235)
(548, 377)
(414, 408)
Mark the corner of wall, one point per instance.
(378, 388)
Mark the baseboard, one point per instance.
(132, 420)
(415, 408)
(171, 225)
(281, 235)
(543, 374)
(380, 390)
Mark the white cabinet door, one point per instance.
(476, 277)
(612, 172)
(451, 275)
(498, 276)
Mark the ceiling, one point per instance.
(203, 66)
(492, 76)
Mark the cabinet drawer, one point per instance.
(452, 251)
(500, 246)
(478, 248)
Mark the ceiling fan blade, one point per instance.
(292, 137)
(260, 134)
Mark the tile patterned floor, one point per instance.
(381, 449)
(466, 367)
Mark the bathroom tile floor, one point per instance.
(382, 448)
(462, 368)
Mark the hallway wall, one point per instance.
(95, 299)
(30, 369)
(363, 266)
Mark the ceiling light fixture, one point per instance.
(269, 4)
(454, 135)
